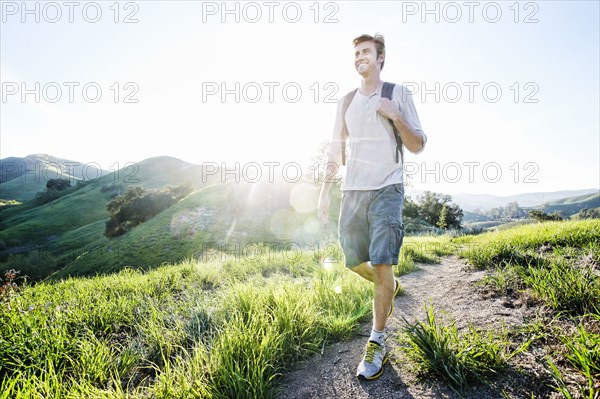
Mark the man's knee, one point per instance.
(363, 270)
(382, 272)
(360, 267)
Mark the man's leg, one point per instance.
(375, 356)
(365, 270)
(385, 233)
(383, 294)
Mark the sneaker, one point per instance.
(371, 366)
(396, 292)
(396, 288)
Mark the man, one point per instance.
(370, 225)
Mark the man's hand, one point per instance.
(388, 109)
(412, 139)
(323, 209)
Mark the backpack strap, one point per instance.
(387, 91)
(347, 100)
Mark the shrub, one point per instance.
(138, 205)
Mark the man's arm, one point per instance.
(334, 160)
(407, 124)
(328, 180)
(412, 139)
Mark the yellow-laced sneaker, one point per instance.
(371, 366)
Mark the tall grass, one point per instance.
(190, 330)
(556, 261)
(458, 359)
(217, 329)
(556, 264)
(519, 245)
(581, 352)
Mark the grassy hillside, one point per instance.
(555, 265)
(571, 205)
(25, 188)
(485, 202)
(22, 178)
(576, 199)
(67, 233)
(54, 229)
(214, 329)
(231, 327)
(204, 223)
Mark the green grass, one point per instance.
(459, 359)
(428, 249)
(518, 245)
(212, 329)
(74, 223)
(555, 264)
(230, 326)
(580, 351)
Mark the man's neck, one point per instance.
(370, 84)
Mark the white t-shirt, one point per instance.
(371, 153)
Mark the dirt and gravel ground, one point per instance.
(451, 287)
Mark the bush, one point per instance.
(56, 188)
(138, 205)
(589, 213)
(35, 264)
(541, 216)
(58, 184)
(459, 359)
(114, 187)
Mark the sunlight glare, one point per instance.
(328, 264)
(303, 198)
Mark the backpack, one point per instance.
(386, 91)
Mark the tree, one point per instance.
(541, 216)
(513, 210)
(411, 209)
(430, 209)
(138, 205)
(589, 213)
(442, 221)
(55, 188)
(510, 211)
(58, 184)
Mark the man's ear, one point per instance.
(381, 59)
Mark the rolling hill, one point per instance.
(22, 178)
(571, 205)
(221, 217)
(218, 216)
(485, 202)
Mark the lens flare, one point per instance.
(328, 264)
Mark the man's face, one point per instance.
(365, 58)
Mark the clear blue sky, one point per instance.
(541, 133)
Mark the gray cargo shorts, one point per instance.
(370, 226)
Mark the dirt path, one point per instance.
(450, 287)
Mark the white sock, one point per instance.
(377, 336)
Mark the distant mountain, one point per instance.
(22, 178)
(571, 205)
(593, 199)
(484, 202)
